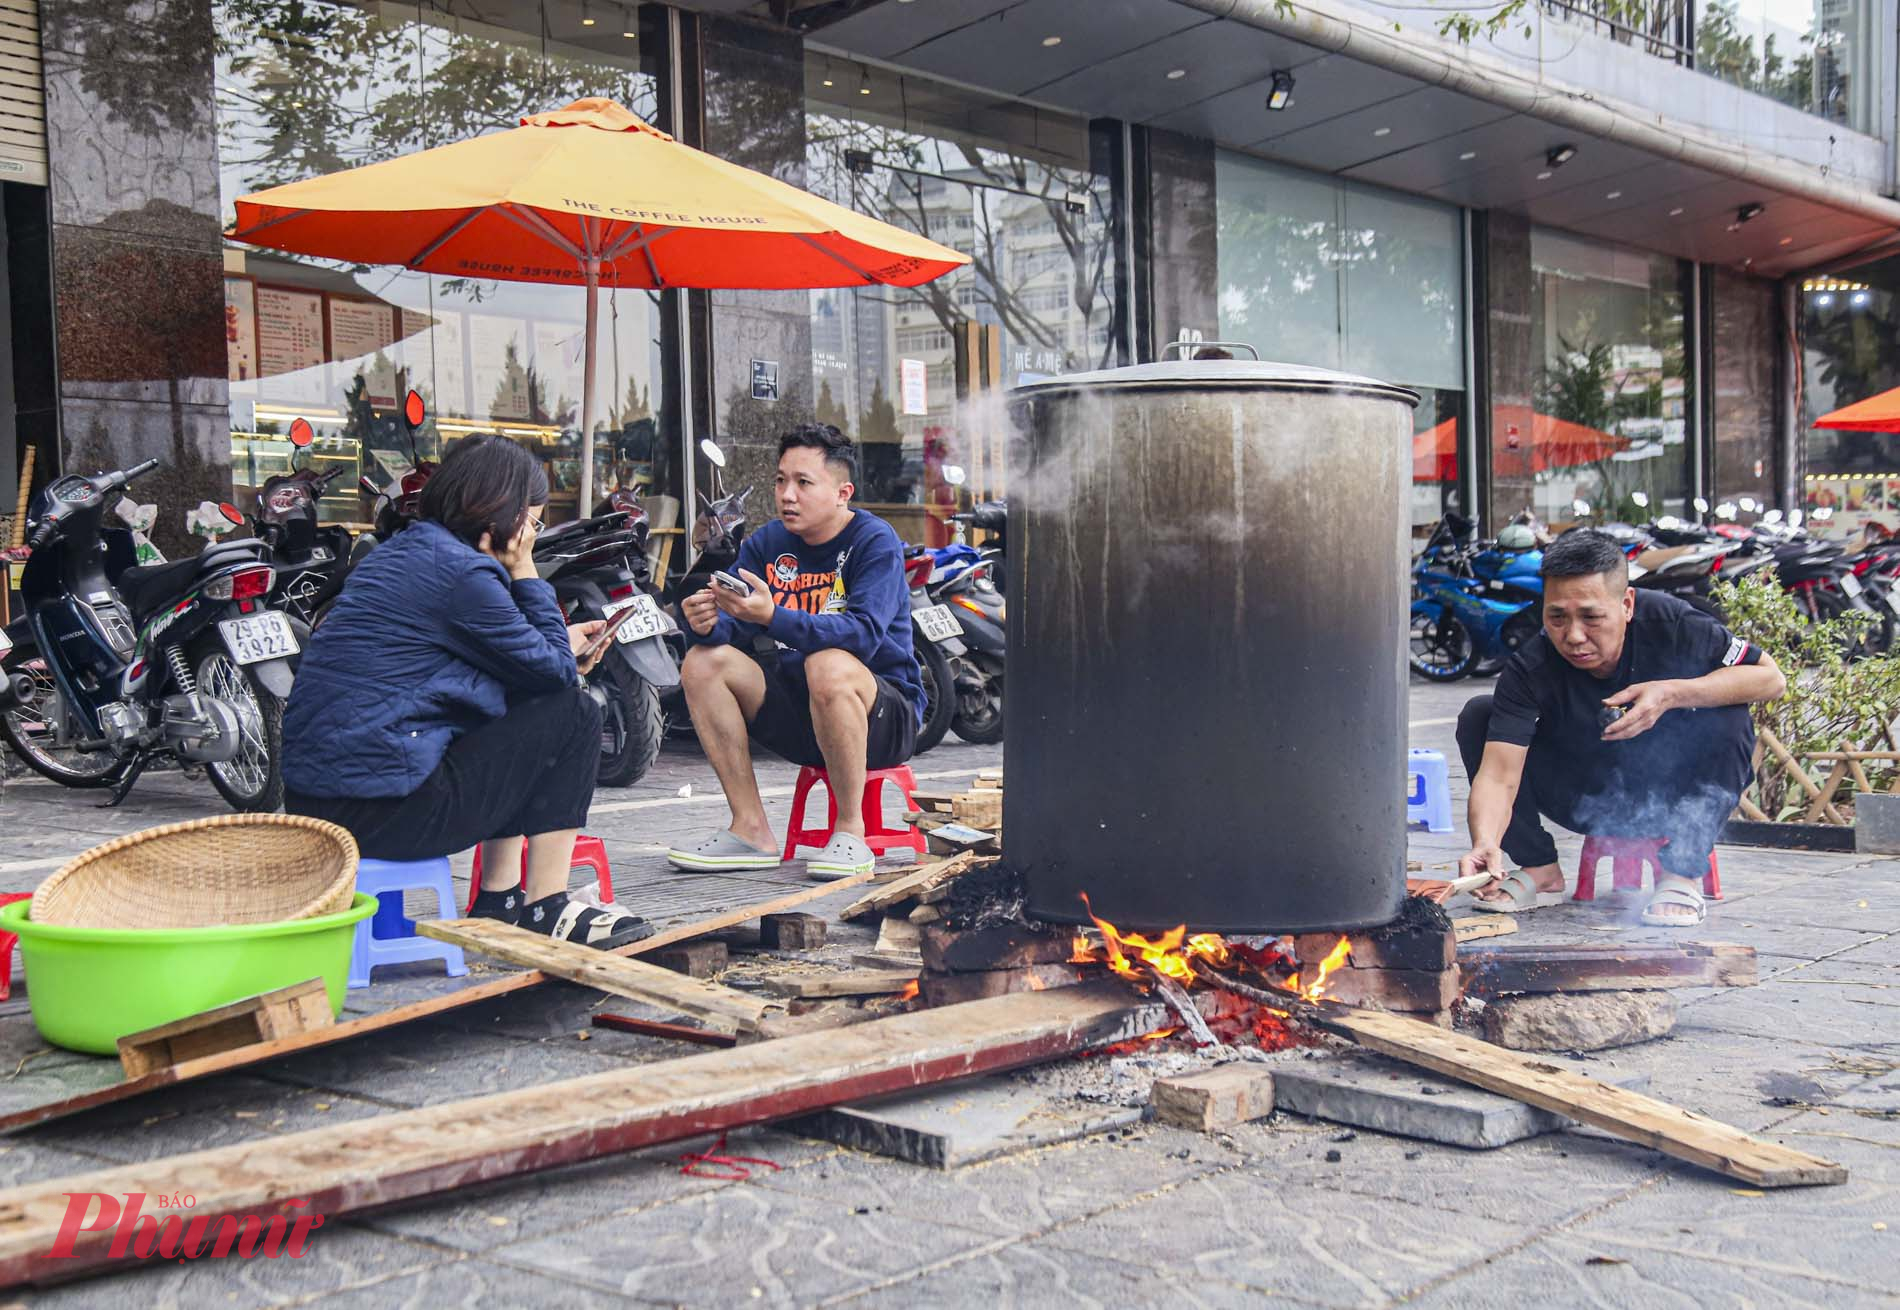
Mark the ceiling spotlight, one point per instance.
(1614, 195)
(1176, 74)
(1746, 213)
(1859, 298)
(1382, 131)
(1676, 212)
(1544, 176)
(1824, 300)
(864, 81)
(1282, 93)
(1467, 155)
(1052, 40)
(587, 19)
(1787, 241)
(1560, 155)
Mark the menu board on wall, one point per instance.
(360, 336)
(290, 343)
(498, 351)
(240, 327)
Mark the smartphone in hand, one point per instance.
(731, 583)
(605, 636)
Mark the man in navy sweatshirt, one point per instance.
(834, 683)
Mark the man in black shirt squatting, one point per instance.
(1627, 716)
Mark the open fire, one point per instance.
(1174, 959)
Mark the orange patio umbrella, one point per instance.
(1876, 414)
(581, 195)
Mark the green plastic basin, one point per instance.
(91, 986)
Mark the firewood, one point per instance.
(903, 889)
(266, 1017)
(1607, 968)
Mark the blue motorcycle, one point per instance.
(1473, 604)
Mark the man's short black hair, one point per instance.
(1581, 552)
(840, 451)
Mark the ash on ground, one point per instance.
(1128, 1080)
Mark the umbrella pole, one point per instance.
(590, 266)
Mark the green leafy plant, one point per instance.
(1832, 702)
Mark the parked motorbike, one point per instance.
(1473, 603)
(116, 664)
(962, 581)
(937, 639)
(598, 567)
(311, 560)
(718, 530)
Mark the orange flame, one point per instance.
(1334, 961)
(1171, 955)
(909, 992)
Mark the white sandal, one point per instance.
(1521, 894)
(1687, 897)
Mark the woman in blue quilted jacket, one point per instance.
(440, 705)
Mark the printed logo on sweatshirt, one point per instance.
(808, 593)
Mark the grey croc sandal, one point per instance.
(1689, 898)
(844, 856)
(720, 853)
(1521, 894)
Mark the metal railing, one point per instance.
(1666, 29)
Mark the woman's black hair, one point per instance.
(486, 484)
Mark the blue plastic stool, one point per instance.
(387, 937)
(1428, 790)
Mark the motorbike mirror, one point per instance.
(1580, 507)
(1641, 498)
(1669, 523)
(1772, 516)
(230, 511)
(1701, 505)
(1794, 518)
(1748, 505)
(1725, 510)
(710, 449)
(954, 474)
(301, 433)
(413, 410)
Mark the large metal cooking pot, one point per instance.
(1207, 647)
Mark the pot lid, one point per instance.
(1215, 374)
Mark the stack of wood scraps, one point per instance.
(963, 821)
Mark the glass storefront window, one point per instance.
(1850, 352)
(317, 86)
(1820, 56)
(1338, 275)
(1008, 185)
(1743, 335)
(1607, 435)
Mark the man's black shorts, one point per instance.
(784, 725)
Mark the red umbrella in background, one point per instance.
(1435, 453)
(1876, 414)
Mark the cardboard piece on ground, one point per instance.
(363, 1164)
(946, 1127)
(1484, 925)
(262, 1018)
(618, 976)
(1388, 1096)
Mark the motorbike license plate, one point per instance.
(650, 621)
(937, 622)
(1850, 584)
(258, 637)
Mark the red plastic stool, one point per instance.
(589, 853)
(879, 838)
(1629, 854)
(7, 941)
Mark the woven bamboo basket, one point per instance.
(237, 868)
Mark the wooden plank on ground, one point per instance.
(842, 982)
(1606, 968)
(262, 1018)
(1484, 925)
(336, 1170)
(678, 1032)
(925, 879)
(1626, 1114)
(603, 971)
(459, 999)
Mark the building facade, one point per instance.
(1624, 267)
